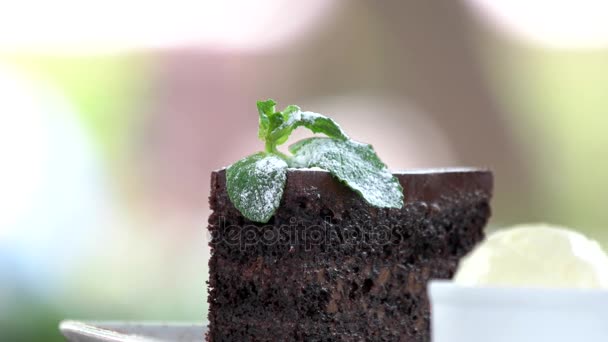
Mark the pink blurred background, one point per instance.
(113, 115)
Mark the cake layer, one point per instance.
(390, 301)
(330, 267)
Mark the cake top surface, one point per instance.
(431, 170)
(256, 183)
(426, 185)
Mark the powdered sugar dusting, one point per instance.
(320, 123)
(357, 165)
(310, 117)
(256, 185)
(293, 118)
(267, 198)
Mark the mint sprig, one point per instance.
(255, 183)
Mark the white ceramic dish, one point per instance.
(75, 331)
(482, 314)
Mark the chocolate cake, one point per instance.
(330, 267)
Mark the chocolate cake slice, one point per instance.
(330, 267)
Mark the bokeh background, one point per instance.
(113, 113)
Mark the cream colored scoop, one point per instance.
(535, 255)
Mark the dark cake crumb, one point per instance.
(329, 267)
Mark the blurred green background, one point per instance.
(113, 118)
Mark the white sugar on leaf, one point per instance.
(354, 163)
(255, 185)
(322, 124)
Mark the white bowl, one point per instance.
(497, 314)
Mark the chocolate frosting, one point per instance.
(423, 185)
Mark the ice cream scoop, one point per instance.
(535, 255)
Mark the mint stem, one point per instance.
(271, 148)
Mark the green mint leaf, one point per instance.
(290, 117)
(322, 124)
(353, 163)
(255, 185)
(266, 110)
(291, 112)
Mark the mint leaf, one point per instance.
(266, 110)
(290, 117)
(355, 164)
(322, 124)
(255, 185)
